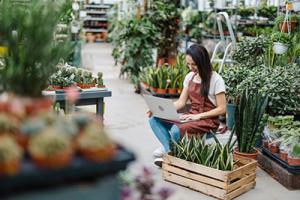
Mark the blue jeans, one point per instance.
(164, 131)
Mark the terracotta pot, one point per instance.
(161, 91)
(179, 90)
(172, 60)
(266, 143)
(85, 86)
(101, 86)
(293, 161)
(161, 61)
(21, 139)
(274, 148)
(79, 84)
(246, 155)
(99, 155)
(53, 162)
(92, 85)
(283, 155)
(172, 90)
(34, 106)
(4, 106)
(284, 26)
(56, 87)
(146, 86)
(10, 168)
(153, 89)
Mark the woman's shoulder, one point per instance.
(190, 75)
(216, 77)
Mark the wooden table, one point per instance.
(87, 97)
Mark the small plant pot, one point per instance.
(266, 144)
(85, 86)
(56, 87)
(79, 84)
(153, 89)
(146, 86)
(283, 155)
(34, 106)
(161, 61)
(99, 155)
(161, 91)
(284, 26)
(92, 85)
(21, 139)
(101, 86)
(179, 90)
(274, 148)
(246, 155)
(294, 161)
(54, 161)
(10, 168)
(172, 90)
(172, 60)
(279, 48)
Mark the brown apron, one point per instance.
(200, 104)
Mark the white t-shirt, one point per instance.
(217, 85)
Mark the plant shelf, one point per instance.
(220, 184)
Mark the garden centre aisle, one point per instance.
(126, 121)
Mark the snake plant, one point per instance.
(248, 116)
(195, 149)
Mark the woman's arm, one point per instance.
(180, 103)
(219, 110)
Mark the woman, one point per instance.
(206, 91)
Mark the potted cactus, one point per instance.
(10, 156)
(94, 145)
(100, 80)
(281, 42)
(87, 79)
(51, 149)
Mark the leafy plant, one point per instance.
(267, 11)
(245, 12)
(195, 149)
(281, 37)
(280, 122)
(9, 150)
(28, 32)
(162, 77)
(248, 115)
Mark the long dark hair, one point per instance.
(201, 58)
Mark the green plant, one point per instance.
(250, 51)
(196, 33)
(49, 143)
(87, 77)
(280, 122)
(28, 32)
(233, 76)
(100, 79)
(283, 38)
(173, 76)
(9, 150)
(246, 12)
(267, 11)
(94, 137)
(162, 77)
(195, 149)
(248, 115)
(280, 19)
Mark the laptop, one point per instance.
(163, 108)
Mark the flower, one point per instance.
(165, 193)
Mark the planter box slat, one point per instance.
(213, 182)
(195, 177)
(214, 173)
(241, 182)
(195, 185)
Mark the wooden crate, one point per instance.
(212, 182)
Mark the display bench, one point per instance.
(93, 96)
(82, 179)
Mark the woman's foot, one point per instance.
(159, 152)
(158, 162)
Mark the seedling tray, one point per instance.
(31, 177)
(276, 158)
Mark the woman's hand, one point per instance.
(149, 113)
(190, 117)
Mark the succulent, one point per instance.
(8, 124)
(81, 120)
(100, 79)
(32, 126)
(66, 126)
(94, 137)
(50, 142)
(195, 149)
(9, 150)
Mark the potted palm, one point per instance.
(94, 145)
(281, 42)
(248, 116)
(51, 149)
(10, 156)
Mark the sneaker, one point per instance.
(158, 162)
(159, 152)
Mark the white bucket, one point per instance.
(279, 48)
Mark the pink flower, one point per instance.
(72, 94)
